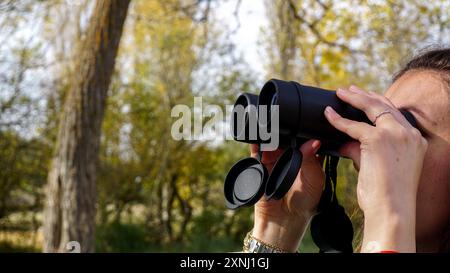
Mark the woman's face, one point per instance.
(426, 96)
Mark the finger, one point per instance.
(356, 130)
(311, 172)
(356, 89)
(370, 105)
(374, 97)
(352, 151)
(310, 148)
(397, 114)
(310, 162)
(270, 158)
(382, 98)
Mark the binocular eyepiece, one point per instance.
(284, 115)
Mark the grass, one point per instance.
(134, 237)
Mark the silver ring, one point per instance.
(387, 111)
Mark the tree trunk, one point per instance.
(71, 191)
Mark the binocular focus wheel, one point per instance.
(332, 230)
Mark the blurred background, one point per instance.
(112, 177)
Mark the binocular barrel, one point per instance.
(241, 121)
(301, 115)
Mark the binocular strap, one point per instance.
(331, 228)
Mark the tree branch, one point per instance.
(313, 28)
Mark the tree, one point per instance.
(71, 191)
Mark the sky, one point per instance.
(252, 17)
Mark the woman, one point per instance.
(404, 173)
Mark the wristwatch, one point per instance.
(253, 245)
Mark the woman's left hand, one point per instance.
(389, 156)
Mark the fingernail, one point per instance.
(340, 91)
(329, 111)
(316, 145)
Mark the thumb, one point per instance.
(352, 151)
(309, 150)
(311, 173)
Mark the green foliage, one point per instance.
(23, 173)
(7, 247)
(121, 237)
(156, 194)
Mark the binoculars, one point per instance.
(292, 113)
(285, 115)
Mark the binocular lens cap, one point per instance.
(283, 174)
(245, 183)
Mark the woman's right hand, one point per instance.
(389, 157)
(283, 222)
